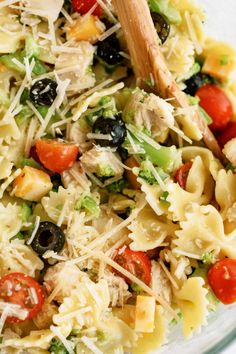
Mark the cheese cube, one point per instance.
(86, 28)
(145, 314)
(220, 66)
(32, 184)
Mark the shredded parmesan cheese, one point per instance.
(37, 222)
(67, 344)
(109, 32)
(192, 33)
(90, 345)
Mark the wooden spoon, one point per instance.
(148, 62)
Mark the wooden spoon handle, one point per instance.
(149, 63)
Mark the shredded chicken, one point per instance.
(160, 283)
(61, 278)
(101, 162)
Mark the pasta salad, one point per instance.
(117, 190)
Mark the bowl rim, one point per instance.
(223, 343)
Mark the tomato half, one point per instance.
(136, 262)
(227, 134)
(56, 156)
(22, 290)
(181, 174)
(216, 103)
(83, 6)
(222, 279)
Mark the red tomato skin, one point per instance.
(18, 297)
(222, 279)
(56, 156)
(227, 134)
(215, 102)
(136, 262)
(83, 6)
(181, 174)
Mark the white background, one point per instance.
(221, 23)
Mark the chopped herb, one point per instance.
(174, 321)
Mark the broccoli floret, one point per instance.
(146, 174)
(118, 186)
(136, 288)
(88, 203)
(57, 347)
(105, 171)
(26, 212)
(208, 258)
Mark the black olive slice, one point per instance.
(43, 92)
(108, 51)
(162, 26)
(49, 237)
(114, 127)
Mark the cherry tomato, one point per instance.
(22, 290)
(136, 262)
(227, 134)
(222, 279)
(130, 176)
(181, 174)
(56, 156)
(215, 102)
(83, 6)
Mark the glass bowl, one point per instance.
(221, 329)
(215, 337)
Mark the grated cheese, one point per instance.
(90, 345)
(14, 310)
(37, 222)
(156, 175)
(192, 33)
(33, 296)
(110, 31)
(99, 136)
(67, 344)
(169, 276)
(91, 91)
(107, 10)
(187, 254)
(104, 258)
(62, 214)
(67, 16)
(61, 90)
(17, 96)
(30, 135)
(3, 318)
(107, 235)
(36, 112)
(18, 63)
